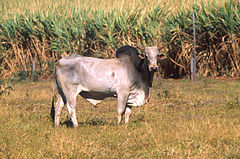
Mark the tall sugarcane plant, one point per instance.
(49, 36)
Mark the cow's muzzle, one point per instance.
(153, 68)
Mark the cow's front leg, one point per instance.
(128, 113)
(122, 100)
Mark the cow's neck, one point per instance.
(147, 75)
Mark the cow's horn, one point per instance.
(140, 47)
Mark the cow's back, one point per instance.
(102, 75)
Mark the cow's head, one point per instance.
(151, 53)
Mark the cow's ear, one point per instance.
(142, 56)
(162, 56)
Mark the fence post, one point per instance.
(193, 57)
(33, 66)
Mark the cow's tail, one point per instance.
(52, 113)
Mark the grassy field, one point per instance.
(184, 119)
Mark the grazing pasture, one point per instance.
(184, 119)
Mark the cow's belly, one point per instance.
(96, 97)
(136, 99)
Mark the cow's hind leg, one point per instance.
(128, 113)
(71, 106)
(122, 100)
(58, 109)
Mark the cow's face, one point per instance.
(152, 54)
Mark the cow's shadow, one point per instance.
(68, 123)
(91, 121)
(138, 119)
(96, 121)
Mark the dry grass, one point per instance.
(183, 120)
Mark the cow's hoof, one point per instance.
(56, 126)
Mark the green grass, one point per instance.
(184, 119)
